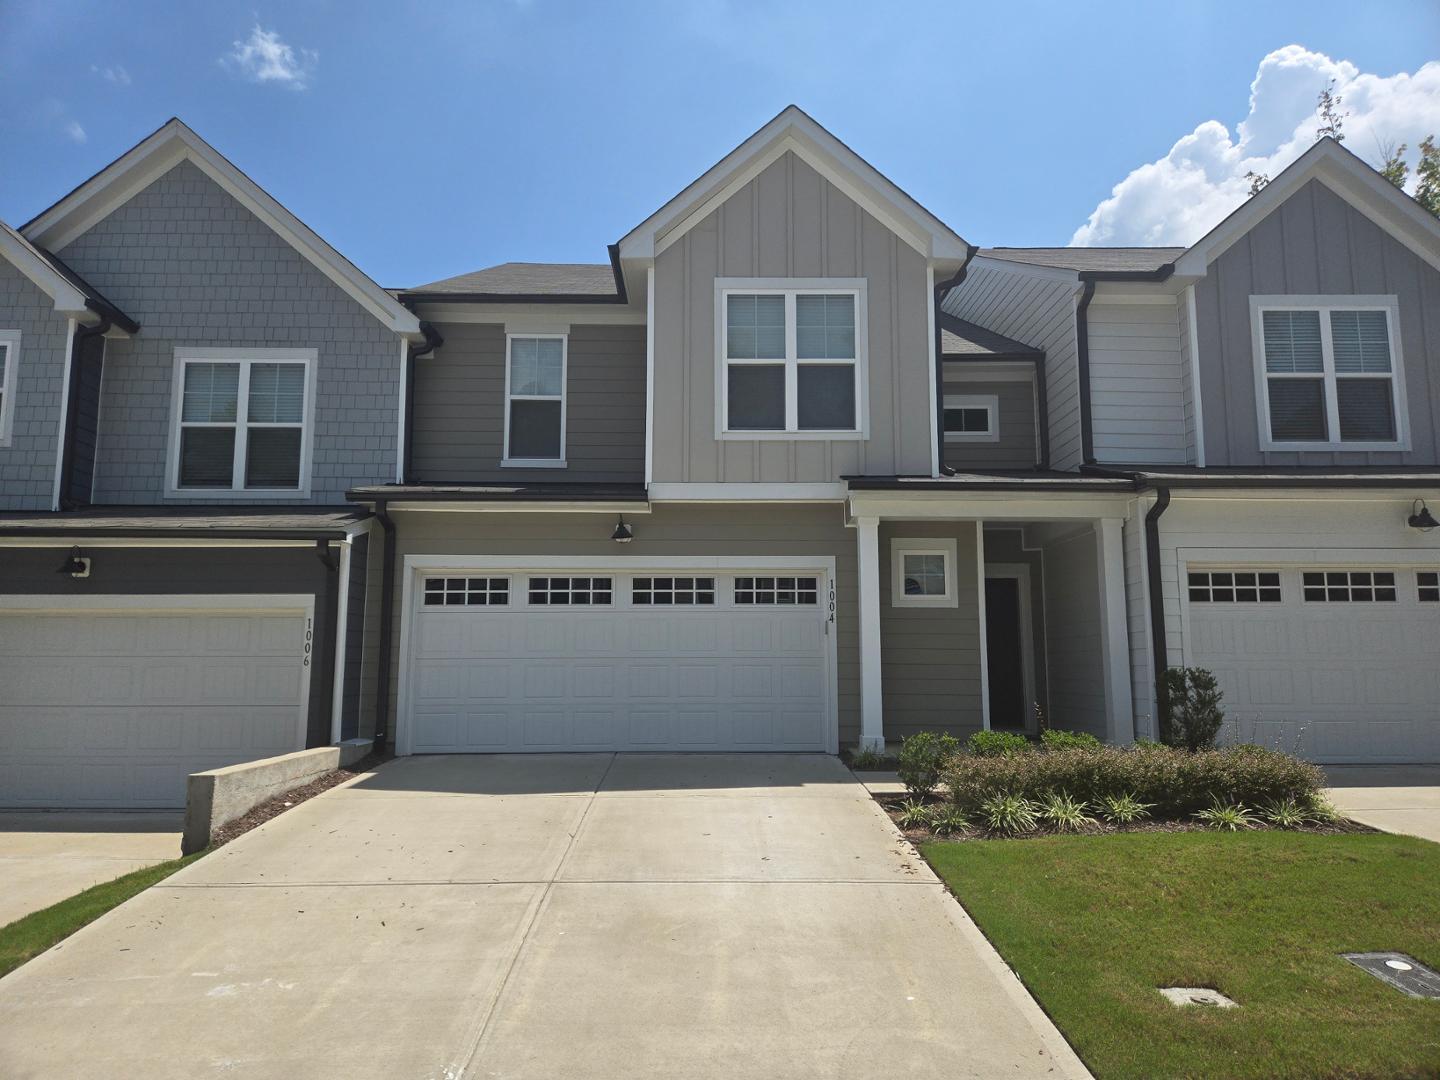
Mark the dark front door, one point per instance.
(1004, 645)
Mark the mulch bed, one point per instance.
(892, 803)
(274, 807)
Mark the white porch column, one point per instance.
(872, 727)
(1114, 634)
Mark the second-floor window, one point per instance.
(792, 361)
(1329, 373)
(535, 400)
(242, 421)
(9, 364)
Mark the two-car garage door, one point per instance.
(560, 658)
(1338, 664)
(113, 706)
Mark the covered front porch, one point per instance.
(993, 603)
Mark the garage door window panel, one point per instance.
(1428, 587)
(766, 591)
(467, 591)
(672, 591)
(1349, 586)
(570, 591)
(1235, 587)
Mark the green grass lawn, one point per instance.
(33, 934)
(1093, 925)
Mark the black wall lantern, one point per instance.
(76, 564)
(623, 534)
(1421, 518)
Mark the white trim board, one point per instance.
(9, 381)
(69, 300)
(835, 491)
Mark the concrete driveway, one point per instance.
(547, 916)
(1395, 798)
(46, 856)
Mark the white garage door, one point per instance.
(1338, 664)
(115, 707)
(559, 660)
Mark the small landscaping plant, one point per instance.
(1122, 809)
(1226, 817)
(868, 758)
(1009, 814)
(1321, 810)
(1285, 814)
(1069, 740)
(1190, 714)
(948, 820)
(1065, 813)
(991, 744)
(913, 814)
(922, 756)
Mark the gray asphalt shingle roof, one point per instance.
(528, 279)
(1112, 259)
(966, 340)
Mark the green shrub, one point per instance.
(922, 756)
(1321, 810)
(948, 820)
(868, 758)
(1009, 814)
(1190, 714)
(1065, 813)
(1174, 782)
(914, 814)
(1068, 740)
(1229, 817)
(997, 744)
(1122, 809)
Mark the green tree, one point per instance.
(1332, 120)
(1427, 173)
(1190, 713)
(1395, 169)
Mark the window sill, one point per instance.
(1334, 447)
(532, 463)
(951, 437)
(791, 436)
(237, 495)
(925, 601)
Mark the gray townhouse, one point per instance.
(796, 468)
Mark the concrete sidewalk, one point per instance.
(1395, 798)
(49, 855)
(738, 916)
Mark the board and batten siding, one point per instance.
(789, 222)
(460, 407)
(1040, 312)
(1314, 243)
(196, 268)
(1137, 376)
(27, 463)
(1016, 447)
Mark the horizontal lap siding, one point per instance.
(1016, 448)
(27, 464)
(1314, 243)
(1137, 384)
(460, 407)
(1040, 313)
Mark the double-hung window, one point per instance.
(1329, 374)
(242, 421)
(9, 363)
(535, 400)
(792, 359)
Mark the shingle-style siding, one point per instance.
(790, 222)
(460, 407)
(27, 464)
(1314, 243)
(1137, 400)
(195, 268)
(1041, 313)
(1016, 447)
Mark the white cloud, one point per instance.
(74, 132)
(1180, 197)
(112, 74)
(264, 58)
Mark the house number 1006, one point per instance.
(309, 640)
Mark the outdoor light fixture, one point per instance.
(1421, 518)
(623, 534)
(76, 564)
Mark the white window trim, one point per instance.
(1324, 305)
(922, 545)
(508, 462)
(10, 339)
(789, 287)
(245, 357)
(990, 403)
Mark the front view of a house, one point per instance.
(798, 468)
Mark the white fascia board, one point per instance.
(571, 314)
(746, 492)
(1348, 177)
(970, 505)
(515, 507)
(1045, 273)
(145, 163)
(796, 132)
(69, 301)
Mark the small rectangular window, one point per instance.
(663, 591)
(1235, 587)
(972, 418)
(570, 591)
(1349, 586)
(535, 379)
(755, 591)
(9, 362)
(466, 591)
(1428, 582)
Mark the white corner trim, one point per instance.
(1197, 396)
(402, 424)
(936, 375)
(946, 547)
(9, 381)
(61, 424)
(983, 616)
(990, 403)
(872, 697)
(649, 373)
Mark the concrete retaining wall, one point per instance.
(218, 797)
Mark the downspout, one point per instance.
(432, 341)
(72, 407)
(1082, 364)
(1158, 645)
(387, 608)
(942, 289)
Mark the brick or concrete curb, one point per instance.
(218, 797)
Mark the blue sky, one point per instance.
(426, 140)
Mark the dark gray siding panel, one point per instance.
(196, 268)
(1016, 448)
(460, 407)
(1312, 244)
(188, 571)
(27, 465)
